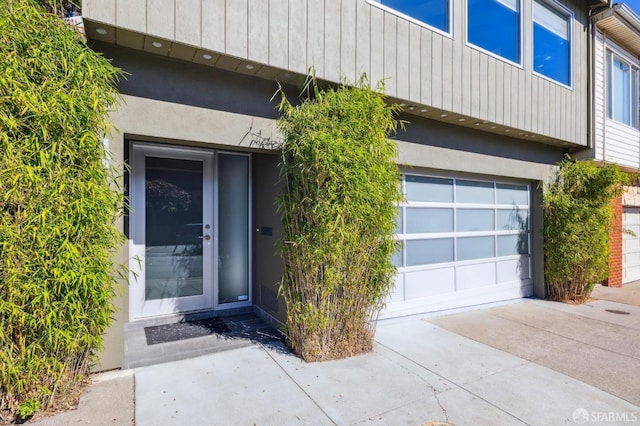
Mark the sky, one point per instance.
(633, 4)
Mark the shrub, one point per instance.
(58, 203)
(577, 220)
(338, 212)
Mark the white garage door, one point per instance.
(465, 242)
(631, 245)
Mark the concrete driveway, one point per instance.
(597, 343)
(531, 362)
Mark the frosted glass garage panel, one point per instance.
(513, 269)
(420, 284)
(427, 252)
(469, 248)
(399, 221)
(429, 220)
(509, 245)
(474, 276)
(422, 188)
(469, 191)
(396, 259)
(469, 220)
(513, 220)
(512, 194)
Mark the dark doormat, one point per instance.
(184, 330)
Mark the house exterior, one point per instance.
(615, 128)
(495, 93)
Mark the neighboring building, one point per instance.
(495, 92)
(615, 127)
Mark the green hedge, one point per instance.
(58, 203)
(338, 213)
(577, 220)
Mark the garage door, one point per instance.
(631, 245)
(464, 242)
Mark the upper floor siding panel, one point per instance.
(614, 141)
(345, 38)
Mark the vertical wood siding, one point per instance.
(344, 38)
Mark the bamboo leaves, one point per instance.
(58, 203)
(338, 214)
(577, 220)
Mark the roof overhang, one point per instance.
(598, 3)
(173, 50)
(622, 25)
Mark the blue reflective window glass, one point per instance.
(551, 44)
(494, 25)
(432, 12)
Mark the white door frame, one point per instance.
(138, 306)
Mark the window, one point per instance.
(448, 220)
(494, 26)
(435, 13)
(622, 84)
(552, 42)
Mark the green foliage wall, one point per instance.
(338, 212)
(577, 220)
(58, 204)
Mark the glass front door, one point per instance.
(189, 230)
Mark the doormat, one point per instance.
(184, 330)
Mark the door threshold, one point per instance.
(187, 316)
(245, 328)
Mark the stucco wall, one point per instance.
(185, 104)
(346, 38)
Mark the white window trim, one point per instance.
(571, 18)
(609, 99)
(486, 52)
(376, 3)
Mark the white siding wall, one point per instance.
(599, 97)
(614, 142)
(348, 37)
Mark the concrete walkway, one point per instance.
(532, 362)
(108, 401)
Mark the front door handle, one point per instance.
(205, 237)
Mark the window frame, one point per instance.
(570, 16)
(487, 52)
(402, 236)
(634, 109)
(379, 5)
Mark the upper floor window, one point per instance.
(623, 91)
(552, 42)
(435, 13)
(494, 26)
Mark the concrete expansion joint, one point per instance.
(433, 389)
(459, 385)
(298, 384)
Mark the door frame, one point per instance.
(139, 308)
